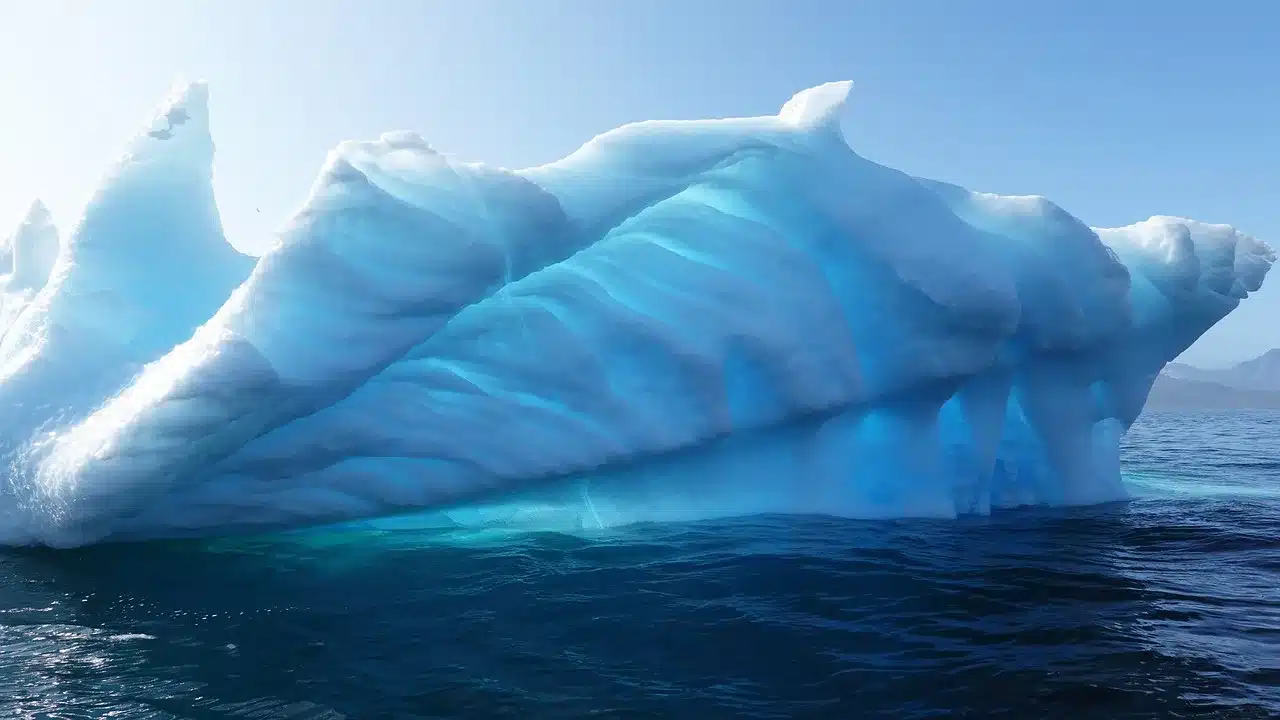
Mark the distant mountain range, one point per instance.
(1253, 384)
(1260, 373)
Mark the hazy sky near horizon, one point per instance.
(1115, 110)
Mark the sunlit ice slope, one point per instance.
(146, 264)
(680, 320)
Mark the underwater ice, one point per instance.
(680, 320)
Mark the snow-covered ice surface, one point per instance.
(680, 320)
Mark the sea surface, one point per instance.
(1167, 606)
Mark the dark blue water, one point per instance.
(1164, 607)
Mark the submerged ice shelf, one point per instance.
(680, 320)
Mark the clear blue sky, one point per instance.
(1116, 110)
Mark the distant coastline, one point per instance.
(1250, 385)
(1171, 393)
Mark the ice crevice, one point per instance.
(680, 320)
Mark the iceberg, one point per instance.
(680, 320)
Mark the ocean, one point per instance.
(1167, 606)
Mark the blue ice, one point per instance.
(680, 320)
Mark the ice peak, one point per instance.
(153, 223)
(34, 248)
(818, 106)
(178, 128)
(37, 214)
(187, 105)
(405, 140)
